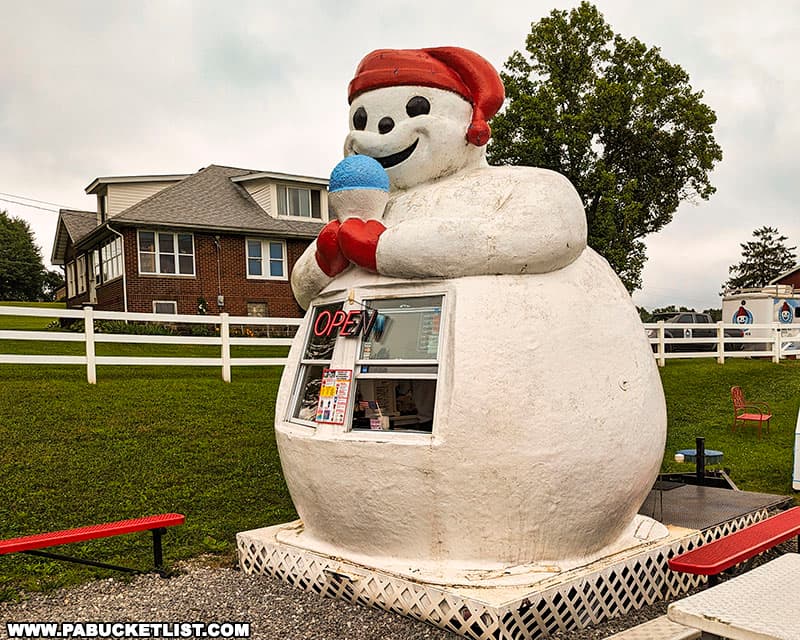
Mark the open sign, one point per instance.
(347, 324)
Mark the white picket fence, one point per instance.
(90, 338)
(768, 340)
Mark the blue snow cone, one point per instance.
(358, 172)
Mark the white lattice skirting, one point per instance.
(574, 599)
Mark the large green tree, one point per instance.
(620, 121)
(763, 259)
(21, 270)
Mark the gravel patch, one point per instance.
(204, 591)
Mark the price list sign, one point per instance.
(333, 395)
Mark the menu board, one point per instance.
(333, 395)
(428, 333)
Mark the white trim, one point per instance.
(265, 259)
(97, 182)
(174, 304)
(282, 177)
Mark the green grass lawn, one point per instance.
(144, 440)
(699, 404)
(157, 439)
(27, 323)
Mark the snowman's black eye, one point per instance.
(418, 106)
(360, 119)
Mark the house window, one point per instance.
(165, 306)
(166, 253)
(96, 262)
(266, 259)
(111, 259)
(257, 309)
(71, 280)
(81, 267)
(299, 202)
(317, 356)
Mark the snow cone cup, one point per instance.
(358, 188)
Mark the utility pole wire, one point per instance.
(14, 195)
(32, 206)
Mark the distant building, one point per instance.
(224, 239)
(791, 277)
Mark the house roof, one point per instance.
(72, 226)
(209, 199)
(78, 223)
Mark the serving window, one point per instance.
(386, 355)
(397, 366)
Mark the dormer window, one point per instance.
(296, 202)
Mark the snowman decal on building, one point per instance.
(544, 420)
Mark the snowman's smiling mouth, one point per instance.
(396, 158)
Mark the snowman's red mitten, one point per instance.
(329, 257)
(358, 240)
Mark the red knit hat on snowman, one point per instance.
(450, 68)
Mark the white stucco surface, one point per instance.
(547, 436)
(549, 421)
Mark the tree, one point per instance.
(764, 259)
(672, 309)
(52, 281)
(21, 269)
(620, 121)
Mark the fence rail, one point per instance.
(669, 340)
(723, 340)
(224, 340)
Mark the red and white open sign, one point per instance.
(348, 324)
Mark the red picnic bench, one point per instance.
(719, 555)
(33, 543)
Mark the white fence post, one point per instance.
(720, 343)
(225, 337)
(88, 330)
(661, 348)
(776, 345)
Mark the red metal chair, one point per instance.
(752, 411)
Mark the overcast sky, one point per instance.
(108, 88)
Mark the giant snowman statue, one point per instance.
(536, 420)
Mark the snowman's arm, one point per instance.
(307, 278)
(533, 230)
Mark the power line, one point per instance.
(14, 195)
(32, 206)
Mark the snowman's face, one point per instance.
(418, 134)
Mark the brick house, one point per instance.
(224, 239)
